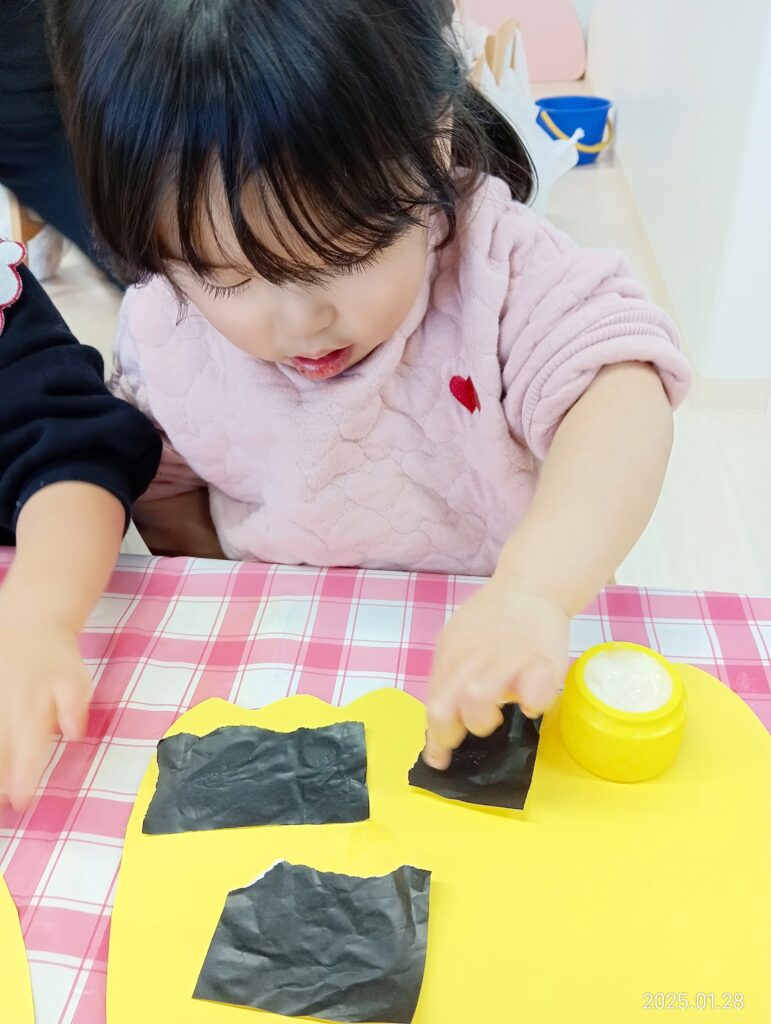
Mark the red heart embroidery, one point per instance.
(463, 389)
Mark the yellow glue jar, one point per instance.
(623, 712)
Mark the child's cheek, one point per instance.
(378, 301)
(244, 321)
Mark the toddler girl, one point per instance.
(351, 330)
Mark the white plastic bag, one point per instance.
(551, 157)
(511, 96)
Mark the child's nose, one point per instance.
(306, 317)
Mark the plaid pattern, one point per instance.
(172, 632)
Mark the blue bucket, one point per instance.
(561, 115)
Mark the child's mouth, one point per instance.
(326, 367)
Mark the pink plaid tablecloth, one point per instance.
(172, 632)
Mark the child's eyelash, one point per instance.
(363, 264)
(222, 291)
(227, 291)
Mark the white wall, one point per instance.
(740, 332)
(692, 81)
(584, 12)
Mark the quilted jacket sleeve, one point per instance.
(570, 312)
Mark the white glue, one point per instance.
(628, 680)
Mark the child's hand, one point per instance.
(43, 683)
(504, 644)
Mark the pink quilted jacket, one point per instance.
(425, 455)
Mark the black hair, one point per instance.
(341, 113)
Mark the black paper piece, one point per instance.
(307, 943)
(495, 770)
(238, 776)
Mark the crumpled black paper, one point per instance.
(307, 943)
(243, 775)
(495, 770)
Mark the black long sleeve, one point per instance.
(58, 421)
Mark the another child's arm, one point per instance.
(67, 539)
(179, 525)
(72, 460)
(598, 487)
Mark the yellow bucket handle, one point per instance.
(558, 132)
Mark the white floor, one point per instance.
(710, 530)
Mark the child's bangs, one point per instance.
(297, 138)
(318, 162)
(287, 223)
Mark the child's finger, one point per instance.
(436, 755)
(536, 687)
(26, 766)
(445, 726)
(71, 699)
(445, 732)
(480, 708)
(4, 767)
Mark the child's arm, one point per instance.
(67, 539)
(598, 487)
(72, 461)
(179, 525)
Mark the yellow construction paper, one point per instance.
(15, 988)
(568, 912)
